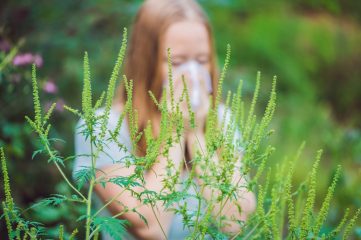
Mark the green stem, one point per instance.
(250, 232)
(199, 194)
(229, 195)
(68, 182)
(62, 173)
(160, 225)
(114, 216)
(110, 201)
(90, 192)
(197, 218)
(88, 212)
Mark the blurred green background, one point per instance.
(314, 47)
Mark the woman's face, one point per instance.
(188, 40)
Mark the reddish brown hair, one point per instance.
(144, 58)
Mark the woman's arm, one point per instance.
(158, 219)
(246, 200)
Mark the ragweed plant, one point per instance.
(238, 140)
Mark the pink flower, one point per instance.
(28, 58)
(50, 87)
(38, 60)
(60, 105)
(22, 59)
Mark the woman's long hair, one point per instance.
(144, 58)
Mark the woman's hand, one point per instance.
(195, 138)
(179, 99)
(200, 115)
(198, 84)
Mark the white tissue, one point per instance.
(196, 73)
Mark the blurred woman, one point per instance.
(181, 26)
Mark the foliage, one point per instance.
(313, 46)
(276, 201)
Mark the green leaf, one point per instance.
(82, 217)
(140, 216)
(55, 199)
(113, 226)
(36, 153)
(124, 181)
(83, 175)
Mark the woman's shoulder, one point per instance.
(111, 153)
(114, 114)
(112, 124)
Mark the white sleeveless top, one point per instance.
(82, 148)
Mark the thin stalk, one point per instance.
(90, 192)
(88, 211)
(110, 201)
(222, 206)
(75, 200)
(63, 174)
(195, 189)
(197, 217)
(200, 193)
(94, 232)
(160, 225)
(114, 216)
(68, 182)
(250, 232)
(220, 212)
(113, 170)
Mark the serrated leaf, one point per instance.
(36, 153)
(113, 226)
(56, 140)
(140, 216)
(82, 217)
(54, 200)
(124, 182)
(83, 175)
